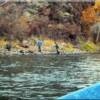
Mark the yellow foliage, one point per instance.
(89, 46)
(48, 42)
(97, 9)
(2, 43)
(97, 5)
(32, 42)
(68, 48)
(15, 44)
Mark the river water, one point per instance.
(46, 77)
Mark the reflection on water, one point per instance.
(42, 77)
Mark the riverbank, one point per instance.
(48, 47)
(11, 53)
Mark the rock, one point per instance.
(29, 51)
(21, 51)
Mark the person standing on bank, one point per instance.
(57, 48)
(8, 46)
(39, 44)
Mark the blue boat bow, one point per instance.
(90, 93)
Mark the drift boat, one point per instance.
(92, 92)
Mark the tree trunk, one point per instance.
(97, 38)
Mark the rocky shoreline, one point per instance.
(23, 52)
(48, 48)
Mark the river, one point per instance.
(46, 77)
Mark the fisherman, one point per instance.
(39, 45)
(57, 48)
(8, 46)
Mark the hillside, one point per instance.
(58, 21)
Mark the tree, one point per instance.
(89, 15)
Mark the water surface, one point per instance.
(46, 77)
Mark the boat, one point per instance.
(88, 93)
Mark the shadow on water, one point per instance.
(44, 77)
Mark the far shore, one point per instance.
(29, 47)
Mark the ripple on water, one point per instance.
(46, 77)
